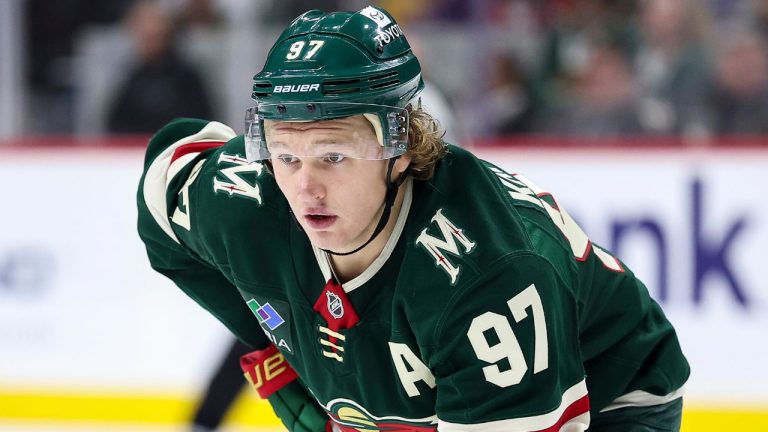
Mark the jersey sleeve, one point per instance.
(172, 157)
(506, 355)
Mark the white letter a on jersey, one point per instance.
(401, 355)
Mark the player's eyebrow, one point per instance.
(331, 141)
(319, 142)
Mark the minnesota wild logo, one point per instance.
(437, 246)
(349, 416)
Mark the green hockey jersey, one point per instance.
(488, 309)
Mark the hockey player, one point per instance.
(385, 279)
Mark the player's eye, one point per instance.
(287, 159)
(334, 158)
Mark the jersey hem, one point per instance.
(571, 415)
(640, 398)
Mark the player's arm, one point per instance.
(171, 153)
(507, 354)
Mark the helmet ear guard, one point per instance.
(336, 65)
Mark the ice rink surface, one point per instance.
(30, 426)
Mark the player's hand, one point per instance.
(298, 410)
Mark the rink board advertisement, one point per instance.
(82, 315)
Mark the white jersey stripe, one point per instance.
(177, 165)
(569, 420)
(157, 176)
(639, 398)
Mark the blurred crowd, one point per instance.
(592, 68)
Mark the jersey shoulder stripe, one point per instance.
(185, 154)
(572, 415)
(171, 160)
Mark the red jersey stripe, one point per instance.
(195, 147)
(577, 408)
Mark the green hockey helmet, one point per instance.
(335, 65)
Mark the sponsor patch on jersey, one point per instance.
(266, 314)
(274, 316)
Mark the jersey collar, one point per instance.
(325, 264)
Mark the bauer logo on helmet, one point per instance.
(296, 88)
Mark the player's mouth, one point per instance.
(319, 221)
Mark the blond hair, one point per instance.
(426, 146)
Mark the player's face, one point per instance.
(337, 199)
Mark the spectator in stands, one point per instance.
(51, 28)
(739, 103)
(200, 14)
(603, 102)
(672, 66)
(757, 13)
(574, 28)
(436, 101)
(162, 85)
(506, 108)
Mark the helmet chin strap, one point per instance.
(389, 200)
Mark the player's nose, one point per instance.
(310, 185)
